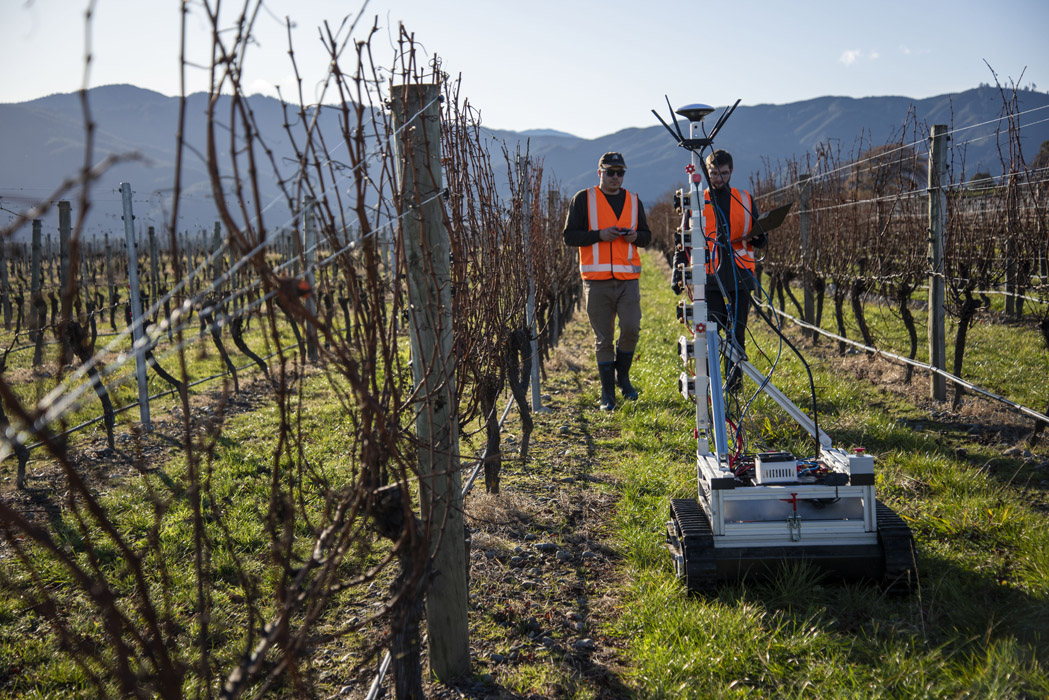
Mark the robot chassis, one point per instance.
(743, 523)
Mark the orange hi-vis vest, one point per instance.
(616, 260)
(740, 223)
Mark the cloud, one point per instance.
(262, 87)
(908, 51)
(287, 85)
(849, 57)
(852, 56)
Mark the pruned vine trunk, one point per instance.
(965, 319)
(493, 457)
(344, 304)
(236, 331)
(518, 370)
(839, 314)
(903, 299)
(787, 278)
(819, 285)
(390, 518)
(208, 318)
(294, 328)
(1039, 425)
(83, 347)
(856, 292)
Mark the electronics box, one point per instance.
(775, 468)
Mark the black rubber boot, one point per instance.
(623, 362)
(607, 372)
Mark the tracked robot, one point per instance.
(755, 512)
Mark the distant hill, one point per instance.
(759, 133)
(41, 143)
(547, 132)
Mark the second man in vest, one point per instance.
(608, 225)
(731, 240)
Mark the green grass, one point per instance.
(237, 497)
(201, 357)
(976, 628)
(1009, 359)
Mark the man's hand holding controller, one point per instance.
(613, 232)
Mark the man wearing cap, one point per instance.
(608, 225)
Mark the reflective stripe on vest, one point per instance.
(618, 259)
(739, 225)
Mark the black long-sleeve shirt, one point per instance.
(577, 224)
(731, 274)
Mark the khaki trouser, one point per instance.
(604, 301)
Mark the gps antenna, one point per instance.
(722, 119)
(676, 131)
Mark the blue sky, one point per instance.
(588, 68)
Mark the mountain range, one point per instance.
(42, 143)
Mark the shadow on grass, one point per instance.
(949, 441)
(955, 611)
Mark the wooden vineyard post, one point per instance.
(154, 268)
(86, 275)
(216, 257)
(937, 214)
(807, 265)
(111, 282)
(5, 285)
(555, 325)
(192, 274)
(427, 251)
(137, 322)
(309, 247)
(48, 260)
(36, 299)
(65, 228)
(178, 271)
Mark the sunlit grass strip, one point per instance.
(973, 629)
(1005, 358)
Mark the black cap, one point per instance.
(612, 159)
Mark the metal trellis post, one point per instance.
(533, 330)
(137, 331)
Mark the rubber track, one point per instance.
(696, 544)
(897, 544)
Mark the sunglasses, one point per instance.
(613, 172)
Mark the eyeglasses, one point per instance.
(614, 172)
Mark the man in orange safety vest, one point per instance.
(608, 225)
(731, 240)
